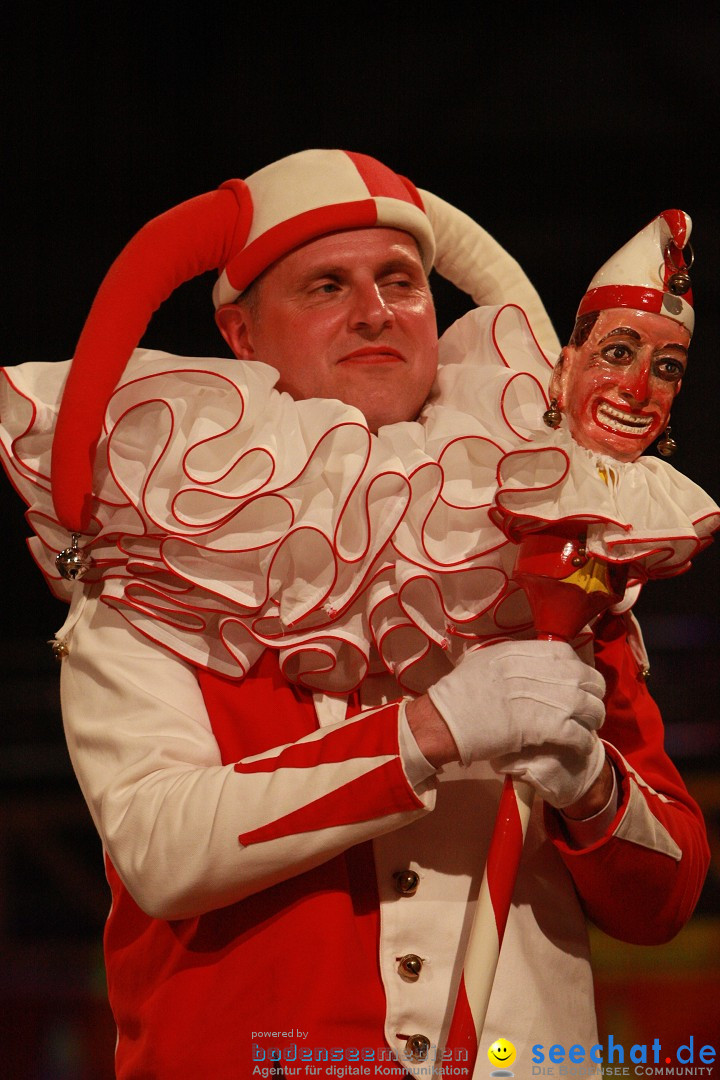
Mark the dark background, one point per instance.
(562, 129)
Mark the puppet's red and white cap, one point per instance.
(311, 194)
(650, 273)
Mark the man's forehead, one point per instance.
(354, 247)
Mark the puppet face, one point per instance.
(616, 390)
(347, 316)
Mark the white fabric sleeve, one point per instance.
(417, 767)
(582, 832)
(169, 813)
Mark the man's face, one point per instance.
(616, 390)
(347, 316)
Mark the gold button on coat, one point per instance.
(416, 1048)
(410, 966)
(406, 882)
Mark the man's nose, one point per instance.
(635, 384)
(369, 310)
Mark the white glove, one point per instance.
(530, 708)
(559, 775)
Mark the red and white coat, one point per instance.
(252, 831)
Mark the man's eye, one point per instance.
(616, 354)
(327, 287)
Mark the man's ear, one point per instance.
(560, 373)
(232, 323)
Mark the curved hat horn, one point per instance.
(196, 236)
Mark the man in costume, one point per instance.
(291, 775)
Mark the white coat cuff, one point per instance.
(417, 767)
(587, 831)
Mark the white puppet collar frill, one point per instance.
(644, 514)
(229, 518)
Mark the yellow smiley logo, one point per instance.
(502, 1052)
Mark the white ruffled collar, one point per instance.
(251, 521)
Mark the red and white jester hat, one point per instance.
(309, 195)
(649, 273)
(241, 229)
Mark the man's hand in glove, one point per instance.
(530, 708)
